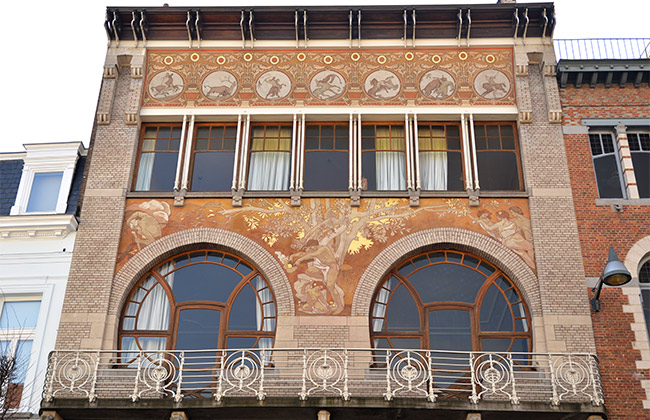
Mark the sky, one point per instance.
(54, 54)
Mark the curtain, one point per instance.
(379, 311)
(269, 171)
(145, 169)
(154, 311)
(261, 311)
(433, 159)
(390, 160)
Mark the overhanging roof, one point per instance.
(323, 22)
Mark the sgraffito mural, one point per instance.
(325, 244)
(194, 78)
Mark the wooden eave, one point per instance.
(377, 22)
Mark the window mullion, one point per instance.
(359, 150)
(244, 156)
(416, 152)
(301, 154)
(472, 144)
(235, 168)
(625, 163)
(294, 140)
(466, 153)
(351, 155)
(177, 178)
(407, 152)
(188, 153)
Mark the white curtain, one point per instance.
(269, 171)
(379, 311)
(262, 311)
(433, 171)
(154, 311)
(391, 171)
(145, 169)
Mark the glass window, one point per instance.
(270, 157)
(158, 158)
(640, 151)
(326, 157)
(440, 157)
(644, 281)
(199, 300)
(214, 157)
(45, 192)
(383, 159)
(606, 165)
(497, 156)
(447, 300)
(17, 323)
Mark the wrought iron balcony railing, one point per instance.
(602, 49)
(307, 373)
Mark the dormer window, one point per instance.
(45, 192)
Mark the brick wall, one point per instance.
(599, 227)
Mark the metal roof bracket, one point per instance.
(460, 25)
(350, 19)
(189, 27)
(295, 23)
(197, 22)
(143, 25)
(527, 20)
(243, 35)
(359, 26)
(413, 15)
(405, 22)
(469, 25)
(250, 27)
(135, 33)
(545, 23)
(304, 22)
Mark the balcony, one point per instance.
(80, 384)
(602, 49)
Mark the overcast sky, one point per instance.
(54, 53)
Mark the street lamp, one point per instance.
(614, 274)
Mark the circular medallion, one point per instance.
(195, 57)
(436, 59)
(382, 85)
(219, 85)
(437, 84)
(328, 59)
(492, 84)
(168, 60)
(355, 56)
(248, 57)
(273, 85)
(275, 59)
(463, 55)
(409, 56)
(326, 85)
(301, 56)
(166, 85)
(221, 60)
(381, 59)
(490, 58)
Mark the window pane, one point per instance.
(594, 142)
(496, 344)
(641, 163)
(18, 315)
(45, 191)
(213, 171)
(645, 297)
(607, 177)
(243, 313)
(450, 330)
(402, 312)
(498, 170)
(495, 312)
(198, 329)
(269, 171)
(644, 273)
(156, 171)
(326, 171)
(204, 282)
(447, 283)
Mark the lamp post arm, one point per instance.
(595, 301)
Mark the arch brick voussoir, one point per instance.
(453, 238)
(174, 243)
(636, 255)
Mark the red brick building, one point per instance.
(606, 123)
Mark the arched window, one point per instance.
(448, 300)
(199, 300)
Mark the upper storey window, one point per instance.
(606, 165)
(158, 158)
(214, 157)
(640, 151)
(326, 157)
(45, 192)
(440, 156)
(383, 157)
(497, 156)
(270, 157)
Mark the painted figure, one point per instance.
(328, 86)
(386, 85)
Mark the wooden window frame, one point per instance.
(180, 152)
(517, 148)
(474, 309)
(461, 150)
(195, 140)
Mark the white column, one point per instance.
(177, 178)
(188, 154)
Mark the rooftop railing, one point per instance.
(305, 373)
(602, 49)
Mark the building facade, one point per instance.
(327, 211)
(38, 205)
(606, 104)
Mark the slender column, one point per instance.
(416, 151)
(466, 153)
(235, 168)
(359, 179)
(407, 140)
(244, 157)
(292, 180)
(472, 142)
(351, 150)
(188, 154)
(177, 179)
